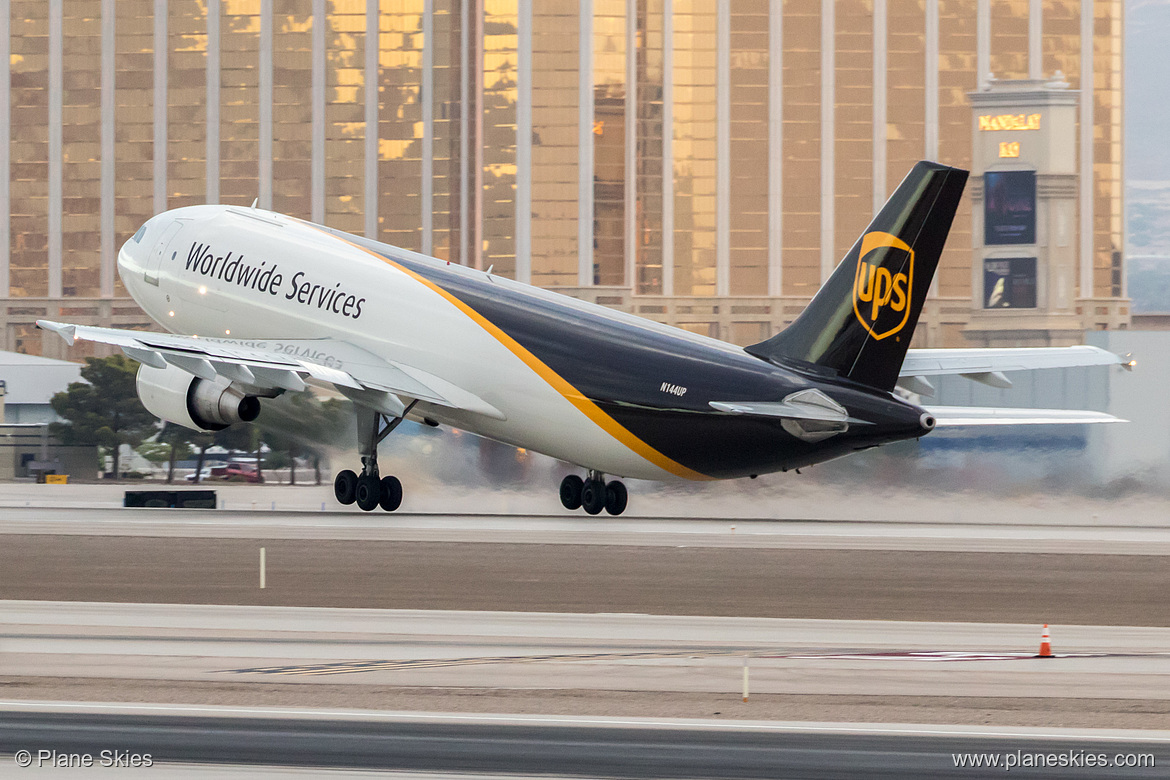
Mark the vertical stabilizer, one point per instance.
(860, 322)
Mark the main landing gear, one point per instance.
(370, 490)
(594, 494)
(367, 490)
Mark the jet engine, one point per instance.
(200, 404)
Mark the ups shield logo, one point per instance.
(882, 284)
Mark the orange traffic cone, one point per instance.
(1045, 645)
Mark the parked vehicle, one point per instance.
(246, 471)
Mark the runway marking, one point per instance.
(351, 667)
(938, 655)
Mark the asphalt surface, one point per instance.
(912, 570)
(576, 651)
(668, 580)
(585, 664)
(1121, 532)
(536, 749)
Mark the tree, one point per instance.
(202, 440)
(335, 419)
(278, 429)
(178, 441)
(184, 441)
(175, 442)
(172, 443)
(104, 409)
(232, 438)
(237, 438)
(257, 446)
(300, 425)
(154, 450)
(285, 426)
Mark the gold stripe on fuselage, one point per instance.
(554, 380)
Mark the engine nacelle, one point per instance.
(174, 395)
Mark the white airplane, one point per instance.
(267, 303)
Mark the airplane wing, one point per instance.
(276, 365)
(962, 416)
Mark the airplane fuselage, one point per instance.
(606, 390)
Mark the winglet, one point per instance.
(67, 332)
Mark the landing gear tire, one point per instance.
(390, 497)
(367, 493)
(371, 489)
(593, 496)
(571, 487)
(616, 497)
(345, 487)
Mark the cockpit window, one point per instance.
(137, 237)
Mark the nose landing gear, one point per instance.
(594, 494)
(370, 490)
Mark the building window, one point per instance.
(1009, 283)
(1009, 207)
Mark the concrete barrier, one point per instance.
(170, 499)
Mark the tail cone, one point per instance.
(1045, 645)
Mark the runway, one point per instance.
(921, 619)
(622, 748)
(783, 498)
(585, 664)
(654, 578)
(1119, 534)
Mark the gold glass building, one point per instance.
(701, 162)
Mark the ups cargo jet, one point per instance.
(268, 303)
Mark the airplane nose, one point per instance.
(133, 256)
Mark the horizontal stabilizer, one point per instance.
(960, 416)
(977, 361)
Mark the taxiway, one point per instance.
(556, 747)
